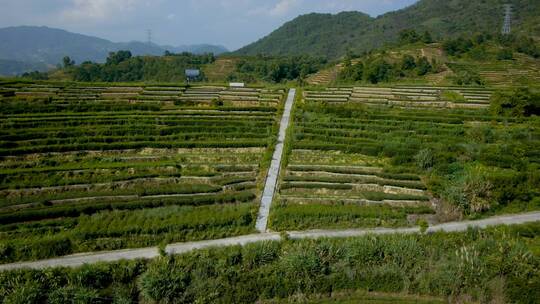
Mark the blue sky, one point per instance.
(232, 23)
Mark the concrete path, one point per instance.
(273, 171)
(152, 252)
(139, 253)
(446, 227)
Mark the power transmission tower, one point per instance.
(507, 27)
(149, 35)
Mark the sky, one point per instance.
(231, 23)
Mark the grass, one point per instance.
(292, 216)
(495, 264)
(360, 296)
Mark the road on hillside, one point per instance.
(273, 171)
(152, 252)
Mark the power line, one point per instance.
(507, 27)
(149, 36)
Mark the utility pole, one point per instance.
(507, 27)
(149, 35)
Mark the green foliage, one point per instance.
(453, 266)
(73, 295)
(352, 73)
(379, 71)
(275, 69)
(471, 190)
(468, 78)
(458, 46)
(423, 66)
(122, 67)
(452, 96)
(522, 44)
(519, 102)
(116, 58)
(67, 62)
(332, 35)
(165, 281)
(424, 159)
(408, 36)
(124, 228)
(424, 225)
(505, 54)
(36, 75)
(408, 62)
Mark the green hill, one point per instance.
(332, 35)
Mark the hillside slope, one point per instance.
(47, 46)
(332, 35)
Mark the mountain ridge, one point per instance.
(44, 46)
(333, 35)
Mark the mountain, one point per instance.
(197, 49)
(13, 68)
(44, 46)
(332, 35)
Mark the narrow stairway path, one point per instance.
(152, 252)
(273, 171)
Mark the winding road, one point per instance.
(152, 252)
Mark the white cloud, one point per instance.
(98, 10)
(283, 7)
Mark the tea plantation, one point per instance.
(397, 156)
(87, 168)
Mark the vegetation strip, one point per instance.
(152, 252)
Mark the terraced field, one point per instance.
(350, 165)
(94, 168)
(405, 96)
(521, 71)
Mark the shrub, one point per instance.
(471, 190)
(505, 54)
(519, 102)
(424, 159)
(408, 63)
(165, 281)
(423, 66)
(69, 295)
(468, 78)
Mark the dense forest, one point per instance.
(122, 66)
(332, 35)
(275, 69)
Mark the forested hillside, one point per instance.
(332, 35)
(42, 47)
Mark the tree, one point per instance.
(118, 57)
(519, 102)
(426, 37)
(407, 63)
(456, 47)
(505, 54)
(468, 78)
(67, 62)
(378, 71)
(352, 73)
(36, 75)
(408, 36)
(423, 66)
